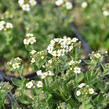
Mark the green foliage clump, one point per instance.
(64, 80)
(93, 22)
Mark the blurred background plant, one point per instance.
(92, 19)
(45, 21)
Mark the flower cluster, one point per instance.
(15, 63)
(30, 39)
(43, 75)
(49, 63)
(35, 56)
(59, 46)
(5, 25)
(31, 84)
(26, 4)
(98, 55)
(84, 90)
(73, 62)
(67, 4)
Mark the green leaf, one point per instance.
(17, 82)
(79, 78)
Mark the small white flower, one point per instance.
(44, 75)
(33, 2)
(97, 55)
(78, 93)
(72, 62)
(29, 85)
(39, 72)
(81, 85)
(33, 52)
(33, 60)
(63, 44)
(9, 25)
(50, 61)
(18, 59)
(77, 70)
(1, 27)
(106, 13)
(42, 57)
(21, 2)
(74, 39)
(71, 47)
(91, 91)
(52, 42)
(50, 73)
(59, 2)
(29, 35)
(50, 49)
(26, 7)
(2, 22)
(26, 41)
(32, 40)
(69, 5)
(84, 5)
(62, 52)
(59, 53)
(54, 53)
(15, 65)
(39, 84)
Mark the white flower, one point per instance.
(52, 42)
(33, 60)
(50, 73)
(106, 13)
(18, 59)
(63, 44)
(29, 35)
(39, 72)
(42, 57)
(2, 22)
(1, 27)
(33, 2)
(84, 5)
(32, 40)
(77, 70)
(15, 65)
(69, 5)
(29, 84)
(59, 2)
(54, 53)
(26, 41)
(78, 93)
(62, 52)
(91, 91)
(33, 52)
(44, 75)
(72, 62)
(81, 85)
(97, 55)
(50, 49)
(21, 2)
(50, 61)
(26, 7)
(74, 39)
(39, 84)
(71, 47)
(9, 25)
